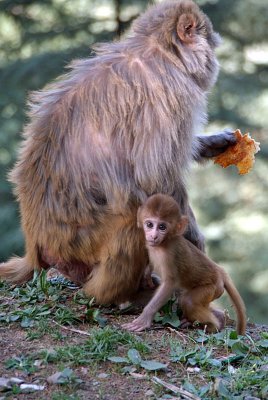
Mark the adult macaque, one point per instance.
(182, 266)
(114, 130)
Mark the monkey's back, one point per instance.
(192, 261)
(119, 100)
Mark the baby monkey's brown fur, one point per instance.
(182, 266)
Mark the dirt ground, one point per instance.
(101, 380)
(28, 345)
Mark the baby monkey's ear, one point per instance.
(182, 225)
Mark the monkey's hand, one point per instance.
(139, 324)
(213, 145)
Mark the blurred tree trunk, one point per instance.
(120, 23)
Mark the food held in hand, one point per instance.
(242, 154)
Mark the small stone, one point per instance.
(84, 371)
(5, 384)
(38, 363)
(28, 388)
(135, 375)
(16, 381)
(53, 379)
(231, 369)
(103, 375)
(149, 393)
(194, 369)
(251, 398)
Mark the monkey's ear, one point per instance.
(186, 28)
(182, 225)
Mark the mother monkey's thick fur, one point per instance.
(116, 129)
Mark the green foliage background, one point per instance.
(39, 38)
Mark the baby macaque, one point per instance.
(181, 265)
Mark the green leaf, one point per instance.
(264, 335)
(102, 321)
(14, 318)
(263, 343)
(118, 359)
(203, 390)
(202, 339)
(67, 372)
(134, 356)
(240, 348)
(214, 362)
(153, 365)
(223, 390)
(128, 369)
(158, 317)
(189, 387)
(172, 320)
(44, 284)
(232, 359)
(41, 314)
(264, 392)
(233, 335)
(26, 322)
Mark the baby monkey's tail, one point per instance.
(238, 304)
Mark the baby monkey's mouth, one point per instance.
(153, 242)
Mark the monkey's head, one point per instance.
(161, 219)
(182, 29)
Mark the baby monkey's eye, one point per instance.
(149, 224)
(162, 227)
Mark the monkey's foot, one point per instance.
(150, 281)
(209, 327)
(221, 317)
(185, 323)
(138, 325)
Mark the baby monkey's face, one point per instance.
(155, 231)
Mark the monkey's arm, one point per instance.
(212, 145)
(163, 293)
(193, 233)
(209, 146)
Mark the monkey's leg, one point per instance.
(121, 263)
(148, 280)
(220, 315)
(145, 291)
(195, 305)
(75, 271)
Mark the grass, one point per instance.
(49, 328)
